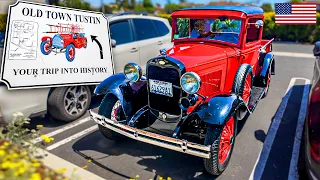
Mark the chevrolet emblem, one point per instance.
(162, 62)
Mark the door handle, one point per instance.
(134, 50)
(160, 43)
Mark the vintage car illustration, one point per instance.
(66, 39)
(192, 95)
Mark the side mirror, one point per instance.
(316, 49)
(113, 43)
(259, 24)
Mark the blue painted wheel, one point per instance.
(45, 47)
(70, 52)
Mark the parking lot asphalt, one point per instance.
(265, 147)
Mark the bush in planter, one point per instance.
(3, 22)
(18, 160)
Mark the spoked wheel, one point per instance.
(268, 80)
(226, 141)
(111, 108)
(70, 52)
(242, 85)
(247, 89)
(45, 47)
(221, 139)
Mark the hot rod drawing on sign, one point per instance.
(66, 39)
(192, 95)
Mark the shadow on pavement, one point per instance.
(276, 155)
(49, 122)
(260, 135)
(162, 162)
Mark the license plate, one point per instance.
(160, 87)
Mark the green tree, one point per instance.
(147, 4)
(133, 4)
(123, 3)
(77, 4)
(295, 1)
(267, 7)
(169, 8)
(107, 9)
(182, 1)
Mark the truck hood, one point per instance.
(197, 54)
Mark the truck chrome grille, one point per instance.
(160, 102)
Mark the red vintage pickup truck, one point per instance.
(192, 95)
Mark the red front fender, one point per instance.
(46, 38)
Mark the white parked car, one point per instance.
(135, 38)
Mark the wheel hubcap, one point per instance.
(71, 53)
(117, 113)
(76, 99)
(46, 47)
(226, 141)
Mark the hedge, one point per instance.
(297, 33)
(3, 22)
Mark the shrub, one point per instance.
(18, 158)
(167, 16)
(3, 22)
(298, 33)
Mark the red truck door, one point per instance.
(250, 52)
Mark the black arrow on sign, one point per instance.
(94, 38)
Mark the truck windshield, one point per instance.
(220, 29)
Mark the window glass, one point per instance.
(252, 31)
(220, 29)
(144, 29)
(161, 28)
(121, 32)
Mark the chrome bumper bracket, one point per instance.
(183, 146)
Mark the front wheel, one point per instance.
(221, 139)
(267, 81)
(45, 47)
(242, 85)
(70, 52)
(111, 108)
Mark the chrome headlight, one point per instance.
(190, 82)
(133, 72)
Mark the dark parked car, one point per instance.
(311, 144)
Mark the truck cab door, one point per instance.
(252, 45)
(126, 49)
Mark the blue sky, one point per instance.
(97, 3)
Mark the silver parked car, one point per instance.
(135, 38)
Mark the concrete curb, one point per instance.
(72, 171)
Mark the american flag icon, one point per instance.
(296, 13)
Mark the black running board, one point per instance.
(256, 96)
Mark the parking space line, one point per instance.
(73, 137)
(267, 145)
(58, 131)
(293, 171)
(292, 54)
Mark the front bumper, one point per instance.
(152, 138)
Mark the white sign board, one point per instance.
(49, 46)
